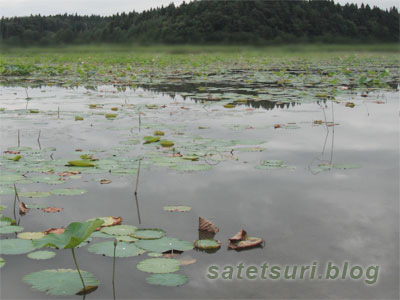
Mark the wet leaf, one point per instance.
(42, 254)
(179, 208)
(123, 249)
(205, 225)
(15, 246)
(167, 279)
(164, 244)
(159, 265)
(59, 282)
(241, 241)
(149, 234)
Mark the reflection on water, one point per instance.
(338, 215)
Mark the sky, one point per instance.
(10, 8)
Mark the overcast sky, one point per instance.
(9, 8)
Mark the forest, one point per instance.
(212, 22)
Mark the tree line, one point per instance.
(202, 22)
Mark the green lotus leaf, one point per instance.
(68, 192)
(99, 234)
(16, 246)
(180, 208)
(34, 194)
(166, 143)
(5, 190)
(49, 179)
(151, 139)
(126, 238)
(167, 279)
(10, 229)
(35, 205)
(74, 234)
(154, 254)
(30, 235)
(2, 262)
(42, 254)
(191, 168)
(60, 282)
(164, 244)
(123, 249)
(159, 265)
(119, 230)
(149, 234)
(80, 163)
(159, 132)
(207, 244)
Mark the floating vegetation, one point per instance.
(42, 254)
(164, 244)
(148, 234)
(207, 244)
(119, 230)
(123, 249)
(159, 265)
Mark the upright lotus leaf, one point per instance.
(159, 265)
(123, 249)
(73, 235)
(168, 279)
(164, 244)
(15, 246)
(60, 282)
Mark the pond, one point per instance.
(315, 177)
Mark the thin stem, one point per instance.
(137, 178)
(38, 140)
(19, 140)
(113, 274)
(79, 272)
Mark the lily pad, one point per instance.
(164, 244)
(4, 190)
(207, 244)
(159, 265)
(149, 234)
(123, 249)
(60, 282)
(2, 262)
(15, 246)
(42, 254)
(180, 208)
(34, 194)
(10, 229)
(68, 192)
(80, 163)
(167, 279)
(166, 143)
(151, 139)
(30, 235)
(119, 230)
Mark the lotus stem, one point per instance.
(113, 274)
(137, 178)
(38, 140)
(79, 272)
(19, 140)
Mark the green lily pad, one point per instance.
(98, 234)
(149, 234)
(34, 194)
(159, 265)
(192, 168)
(30, 235)
(167, 279)
(126, 238)
(180, 208)
(2, 262)
(164, 244)
(49, 179)
(80, 163)
(166, 143)
(36, 205)
(5, 190)
(123, 249)
(42, 254)
(154, 254)
(60, 282)
(10, 229)
(151, 139)
(74, 234)
(68, 192)
(207, 244)
(15, 246)
(119, 230)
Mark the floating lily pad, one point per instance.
(159, 265)
(151, 139)
(30, 235)
(60, 282)
(191, 168)
(68, 192)
(35, 205)
(119, 230)
(80, 163)
(15, 246)
(149, 234)
(2, 262)
(49, 179)
(126, 238)
(154, 254)
(34, 194)
(167, 279)
(4, 190)
(98, 234)
(164, 244)
(207, 244)
(180, 208)
(123, 249)
(10, 229)
(42, 254)
(166, 143)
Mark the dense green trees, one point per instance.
(252, 22)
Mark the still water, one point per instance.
(304, 214)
